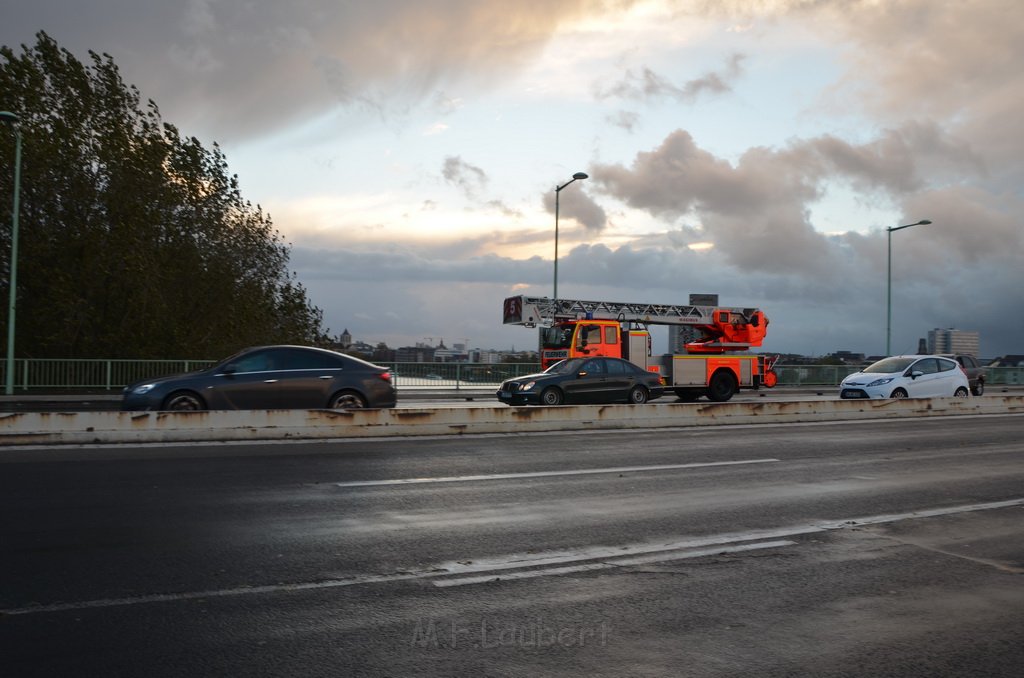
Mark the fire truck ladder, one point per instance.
(533, 311)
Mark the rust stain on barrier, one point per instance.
(413, 414)
(334, 414)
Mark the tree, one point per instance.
(134, 240)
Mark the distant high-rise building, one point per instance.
(952, 341)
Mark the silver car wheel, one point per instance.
(347, 400)
(183, 401)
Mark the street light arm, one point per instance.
(575, 177)
(923, 222)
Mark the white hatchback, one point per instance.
(907, 376)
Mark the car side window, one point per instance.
(946, 365)
(593, 367)
(261, 361)
(926, 366)
(297, 359)
(615, 367)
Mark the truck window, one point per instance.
(589, 334)
(609, 335)
(556, 337)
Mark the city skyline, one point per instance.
(409, 151)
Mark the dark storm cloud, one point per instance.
(757, 212)
(233, 68)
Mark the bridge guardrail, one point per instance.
(41, 375)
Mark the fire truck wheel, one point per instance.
(347, 400)
(638, 396)
(722, 386)
(551, 396)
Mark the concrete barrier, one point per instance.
(49, 428)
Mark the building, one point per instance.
(953, 341)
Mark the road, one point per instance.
(885, 548)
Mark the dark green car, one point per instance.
(584, 380)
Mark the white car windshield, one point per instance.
(889, 365)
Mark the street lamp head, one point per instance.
(924, 222)
(581, 175)
(8, 117)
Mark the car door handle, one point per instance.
(326, 376)
(270, 381)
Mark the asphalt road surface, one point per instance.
(885, 548)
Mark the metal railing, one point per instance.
(99, 374)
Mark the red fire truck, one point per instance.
(712, 335)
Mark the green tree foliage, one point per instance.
(134, 241)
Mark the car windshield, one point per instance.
(889, 365)
(565, 366)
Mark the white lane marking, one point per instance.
(548, 474)
(220, 593)
(607, 565)
(636, 554)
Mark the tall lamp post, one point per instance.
(888, 291)
(558, 189)
(12, 120)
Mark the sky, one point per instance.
(409, 152)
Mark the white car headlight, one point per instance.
(881, 382)
(528, 385)
(143, 388)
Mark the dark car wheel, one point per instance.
(979, 388)
(183, 401)
(551, 396)
(722, 386)
(898, 393)
(638, 396)
(961, 393)
(347, 400)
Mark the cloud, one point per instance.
(648, 85)
(627, 120)
(757, 211)
(574, 203)
(470, 179)
(236, 68)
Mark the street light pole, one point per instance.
(558, 189)
(888, 287)
(12, 120)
